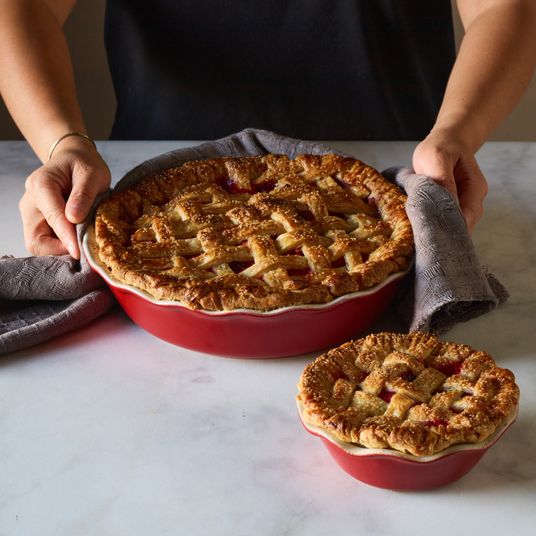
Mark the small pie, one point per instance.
(411, 393)
(259, 232)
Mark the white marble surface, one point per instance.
(109, 431)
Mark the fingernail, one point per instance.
(72, 250)
(74, 214)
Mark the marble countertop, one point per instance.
(110, 431)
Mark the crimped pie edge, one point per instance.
(90, 250)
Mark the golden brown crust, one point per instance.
(411, 393)
(256, 232)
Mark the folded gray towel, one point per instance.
(43, 297)
(449, 286)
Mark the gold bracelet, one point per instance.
(81, 134)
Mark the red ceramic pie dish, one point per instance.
(246, 333)
(390, 469)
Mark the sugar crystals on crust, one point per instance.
(412, 393)
(259, 232)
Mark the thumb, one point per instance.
(86, 185)
(438, 167)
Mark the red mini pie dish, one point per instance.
(247, 333)
(390, 469)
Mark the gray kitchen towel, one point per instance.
(449, 285)
(43, 297)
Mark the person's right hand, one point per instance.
(59, 194)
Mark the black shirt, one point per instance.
(313, 69)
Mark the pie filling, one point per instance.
(412, 393)
(256, 232)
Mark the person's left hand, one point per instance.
(447, 162)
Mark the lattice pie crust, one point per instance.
(412, 393)
(256, 232)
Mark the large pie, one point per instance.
(259, 232)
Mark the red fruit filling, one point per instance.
(297, 251)
(339, 263)
(449, 369)
(437, 422)
(266, 186)
(298, 272)
(239, 266)
(387, 395)
(408, 376)
(230, 186)
(306, 215)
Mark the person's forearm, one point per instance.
(36, 79)
(494, 66)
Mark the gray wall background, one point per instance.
(84, 31)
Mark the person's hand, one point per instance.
(450, 164)
(59, 194)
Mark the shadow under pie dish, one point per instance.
(407, 412)
(258, 256)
